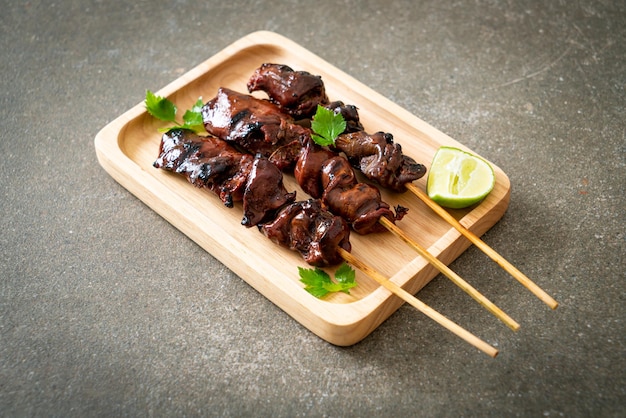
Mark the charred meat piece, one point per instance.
(358, 203)
(312, 231)
(210, 163)
(309, 168)
(206, 162)
(323, 174)
(255, 125)
(350, 114)
(380, 159)
(264, 193)
(296, 92)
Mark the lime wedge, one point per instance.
(458, 179)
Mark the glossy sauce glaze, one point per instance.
(314, 232)
(298, 93)
(210, 163)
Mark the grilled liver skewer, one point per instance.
(364, 151)
(306, 227)
(259, 126)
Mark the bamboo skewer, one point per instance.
(419, 305)
(474, 239)
(456, 279)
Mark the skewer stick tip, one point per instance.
(419, 305)
(490, 252)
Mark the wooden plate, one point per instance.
(128, 146)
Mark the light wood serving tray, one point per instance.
(128, 146)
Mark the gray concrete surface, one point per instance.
(107, 310)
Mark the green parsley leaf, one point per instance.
(314, 279)
(163, 109)
(319, 284)
(327, 126)
(345, 275)
(160, 107)
(192, 119)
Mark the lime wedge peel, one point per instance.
(458, 179)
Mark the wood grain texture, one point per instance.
(127, 147)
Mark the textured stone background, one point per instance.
(107, 310)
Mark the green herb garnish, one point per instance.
(163, 109)
(319, 284)
(327, 126)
